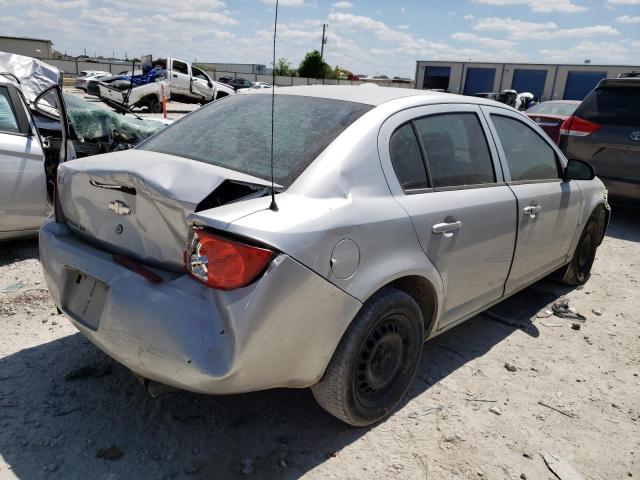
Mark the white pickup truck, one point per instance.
(181, 82)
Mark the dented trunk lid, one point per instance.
(135, 202)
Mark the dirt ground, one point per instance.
(67, 411)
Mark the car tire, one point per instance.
(153, 105)
(579, 270)
(375, 361)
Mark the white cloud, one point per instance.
(403, 10)
(483, 42)
(623, 2)
(342, 5)
(628, 19)
(469, 17)
(167, 5)
(597, 52)
(404, 27)
(582, 32)
(542, 5)
(635, 44)
(285, 3)
(521, 30)
(496, 24)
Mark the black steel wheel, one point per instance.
(579, 270)
(376, 360)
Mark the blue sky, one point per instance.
(372, 37)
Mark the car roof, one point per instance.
(373, 94)
(619, 82)
(568, 102)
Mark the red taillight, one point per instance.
(578, 127)
(222, 263)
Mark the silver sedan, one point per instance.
(398, 214)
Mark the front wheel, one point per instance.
(376, 360)
(579, 270)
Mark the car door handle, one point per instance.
(532, 210)
(446, 227)
(175, 75)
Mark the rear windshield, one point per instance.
(554, 108)
(235, 133)
(612, 106)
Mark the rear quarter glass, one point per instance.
(612, 106)
(236, 133)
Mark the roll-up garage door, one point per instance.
(479, 80)
(525, 80)
(579, 84)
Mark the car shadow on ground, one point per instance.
(16, 250)
(62, 401)
(625, 222)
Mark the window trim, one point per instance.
(19, 113)
(487, 111)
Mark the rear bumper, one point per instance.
(622, 189)
(281, 331)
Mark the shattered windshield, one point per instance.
(90, 122)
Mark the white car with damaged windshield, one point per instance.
(398, 214)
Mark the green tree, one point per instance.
(283, 68)
(313, 66)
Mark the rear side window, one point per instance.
(407, 158)
(456, 149)
(180, 67)
(8, 121)
(612, 106)
(529, 157)
(235, 133)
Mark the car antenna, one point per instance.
(274, 206)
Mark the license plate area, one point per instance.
(84, 298)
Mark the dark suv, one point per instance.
(605, 131)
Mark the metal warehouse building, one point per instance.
(546, 82)
(31, 47)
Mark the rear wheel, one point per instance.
(579, 270)
(376, 360)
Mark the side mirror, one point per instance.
(579, 170)
(210, 84)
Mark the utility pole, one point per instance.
(324, 40)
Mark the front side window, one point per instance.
(236, 133)
(8, 121)
(529, 157)
(407, 159)
(456, 149)
(197, 73)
